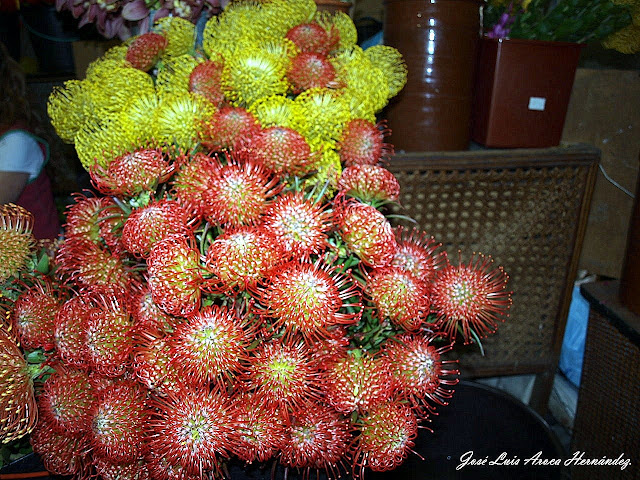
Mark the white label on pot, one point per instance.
(537, 103)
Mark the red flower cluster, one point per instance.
(225, 302)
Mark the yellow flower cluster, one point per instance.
(626, 40)
(117, 107)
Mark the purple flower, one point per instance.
(501, 29)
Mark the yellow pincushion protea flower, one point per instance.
(363, 80)
(253, 73)
(18, 408)
(118, 52)
(281, 47)
(178, 118)
(180, 35)
(301, 11)
(101, 140)
(101, 67)
(65, 109)
(236, 25)
(109, 87)
(326, 111)
(16, 239)
(173, 76)
(137, 120)
(390, 62)
(281, 111)
(342, 23)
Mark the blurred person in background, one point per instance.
(24, 152)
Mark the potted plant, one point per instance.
(527, 62)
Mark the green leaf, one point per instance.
(43, 264)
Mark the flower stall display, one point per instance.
(235, 289)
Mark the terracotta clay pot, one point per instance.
(438, 40)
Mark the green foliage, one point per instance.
(12, 451)
(579, 21)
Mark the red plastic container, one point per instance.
(522, 92)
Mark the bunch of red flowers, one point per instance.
(244, 296)
(210, 306)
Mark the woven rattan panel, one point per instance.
(607, 421)
(523, 212)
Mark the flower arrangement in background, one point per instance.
(615, 22)
(122, 18)
(236, 289)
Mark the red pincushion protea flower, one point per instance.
(67, 400)
(398, 296)
(470, 297)
(283, 375)
(192, 180)
(110, 221)
(18, 409)
(136, 470)
(311, 37)
(191, 428)
(152, 223)
(281, 150)
(310, 70)
(62, 454)
(227, 127)
(238, 193)
(369, 183)
(70, 331)
(87, 264)
(161, 469)
(147, 315)
(419, 370)
(261, 429)
(367, 233)
(145, 50)
(34, 313)
(318, 437)
(210, 345)
(329, 349)
(307, 299)
(417, 254)
(362, 143)
(300, 225)
(241, 258)
(152, 366)
(118, 422)
(132, 173)
(205, 81)
(83, 217)
(356, 382)
(387, 435)
(16, 225)
(109, 335)
(175, 277)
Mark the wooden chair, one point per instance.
(528, 209)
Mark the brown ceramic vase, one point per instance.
(438, 40)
